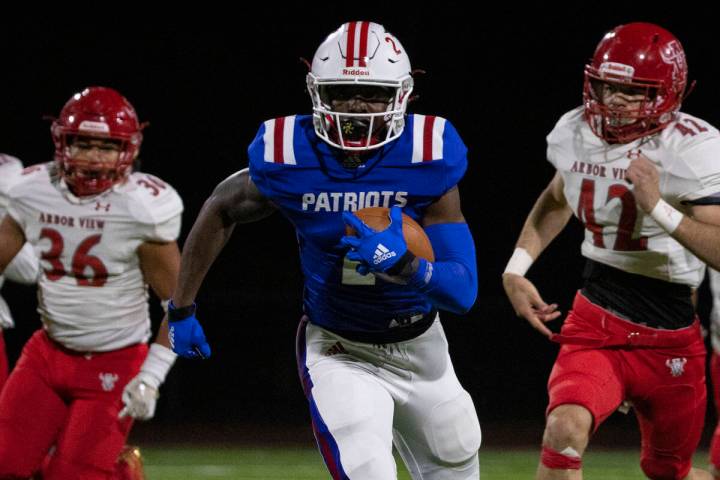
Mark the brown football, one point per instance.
(378, 218)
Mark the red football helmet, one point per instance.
(639, 59)
(102, 113)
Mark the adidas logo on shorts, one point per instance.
(382, 253)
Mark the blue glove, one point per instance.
(377, 251)
(187, 338)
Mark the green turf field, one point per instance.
(305, 464)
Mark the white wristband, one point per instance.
(519, 263)
(666, 216)
(157, 364)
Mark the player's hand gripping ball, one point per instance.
(379, 237)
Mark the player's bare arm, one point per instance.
(12, 239)
(160, 264)
(546, 220)
(235, 200)
(445, 209)
(698, 231)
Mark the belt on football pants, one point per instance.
(613, 331)
(408, 327)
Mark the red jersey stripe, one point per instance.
(278, 140)
(428, 138)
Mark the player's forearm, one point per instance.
(12, 239)
(162, 337)
(546, 220)
(235, 200)
(207, 238)
(702, 239)
(450, 282)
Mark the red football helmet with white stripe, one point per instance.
(364, 55)
(644, 61)
(96, 112)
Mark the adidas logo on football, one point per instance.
(382, 253)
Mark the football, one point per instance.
(378, 219)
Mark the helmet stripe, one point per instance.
(350, 45)
(365, 26)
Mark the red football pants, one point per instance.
(662, 372)
(715, 378)
(67, 399)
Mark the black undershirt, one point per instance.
(637, 298)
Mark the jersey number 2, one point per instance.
(81, 260)
(624, 240)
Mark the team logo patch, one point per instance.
(673, 53)
(405, 321)
(107, 381)
(676, 366)
(634, 153)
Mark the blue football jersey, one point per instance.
(305, 179)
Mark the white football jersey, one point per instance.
(10, 171)
(24, 267)
(715, 313)
(92, 295)
(618, 233)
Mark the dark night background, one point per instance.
(205, 81)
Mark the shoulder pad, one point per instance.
(428, 138)
(152, 200)
(687, 131)
(10, 170)
(274, 142)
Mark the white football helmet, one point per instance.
(360, 54)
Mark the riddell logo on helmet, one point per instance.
(613, 69)
(94, 127)
(355, 72)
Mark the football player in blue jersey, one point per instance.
(372, 355)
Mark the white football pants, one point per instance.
(365, 397)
